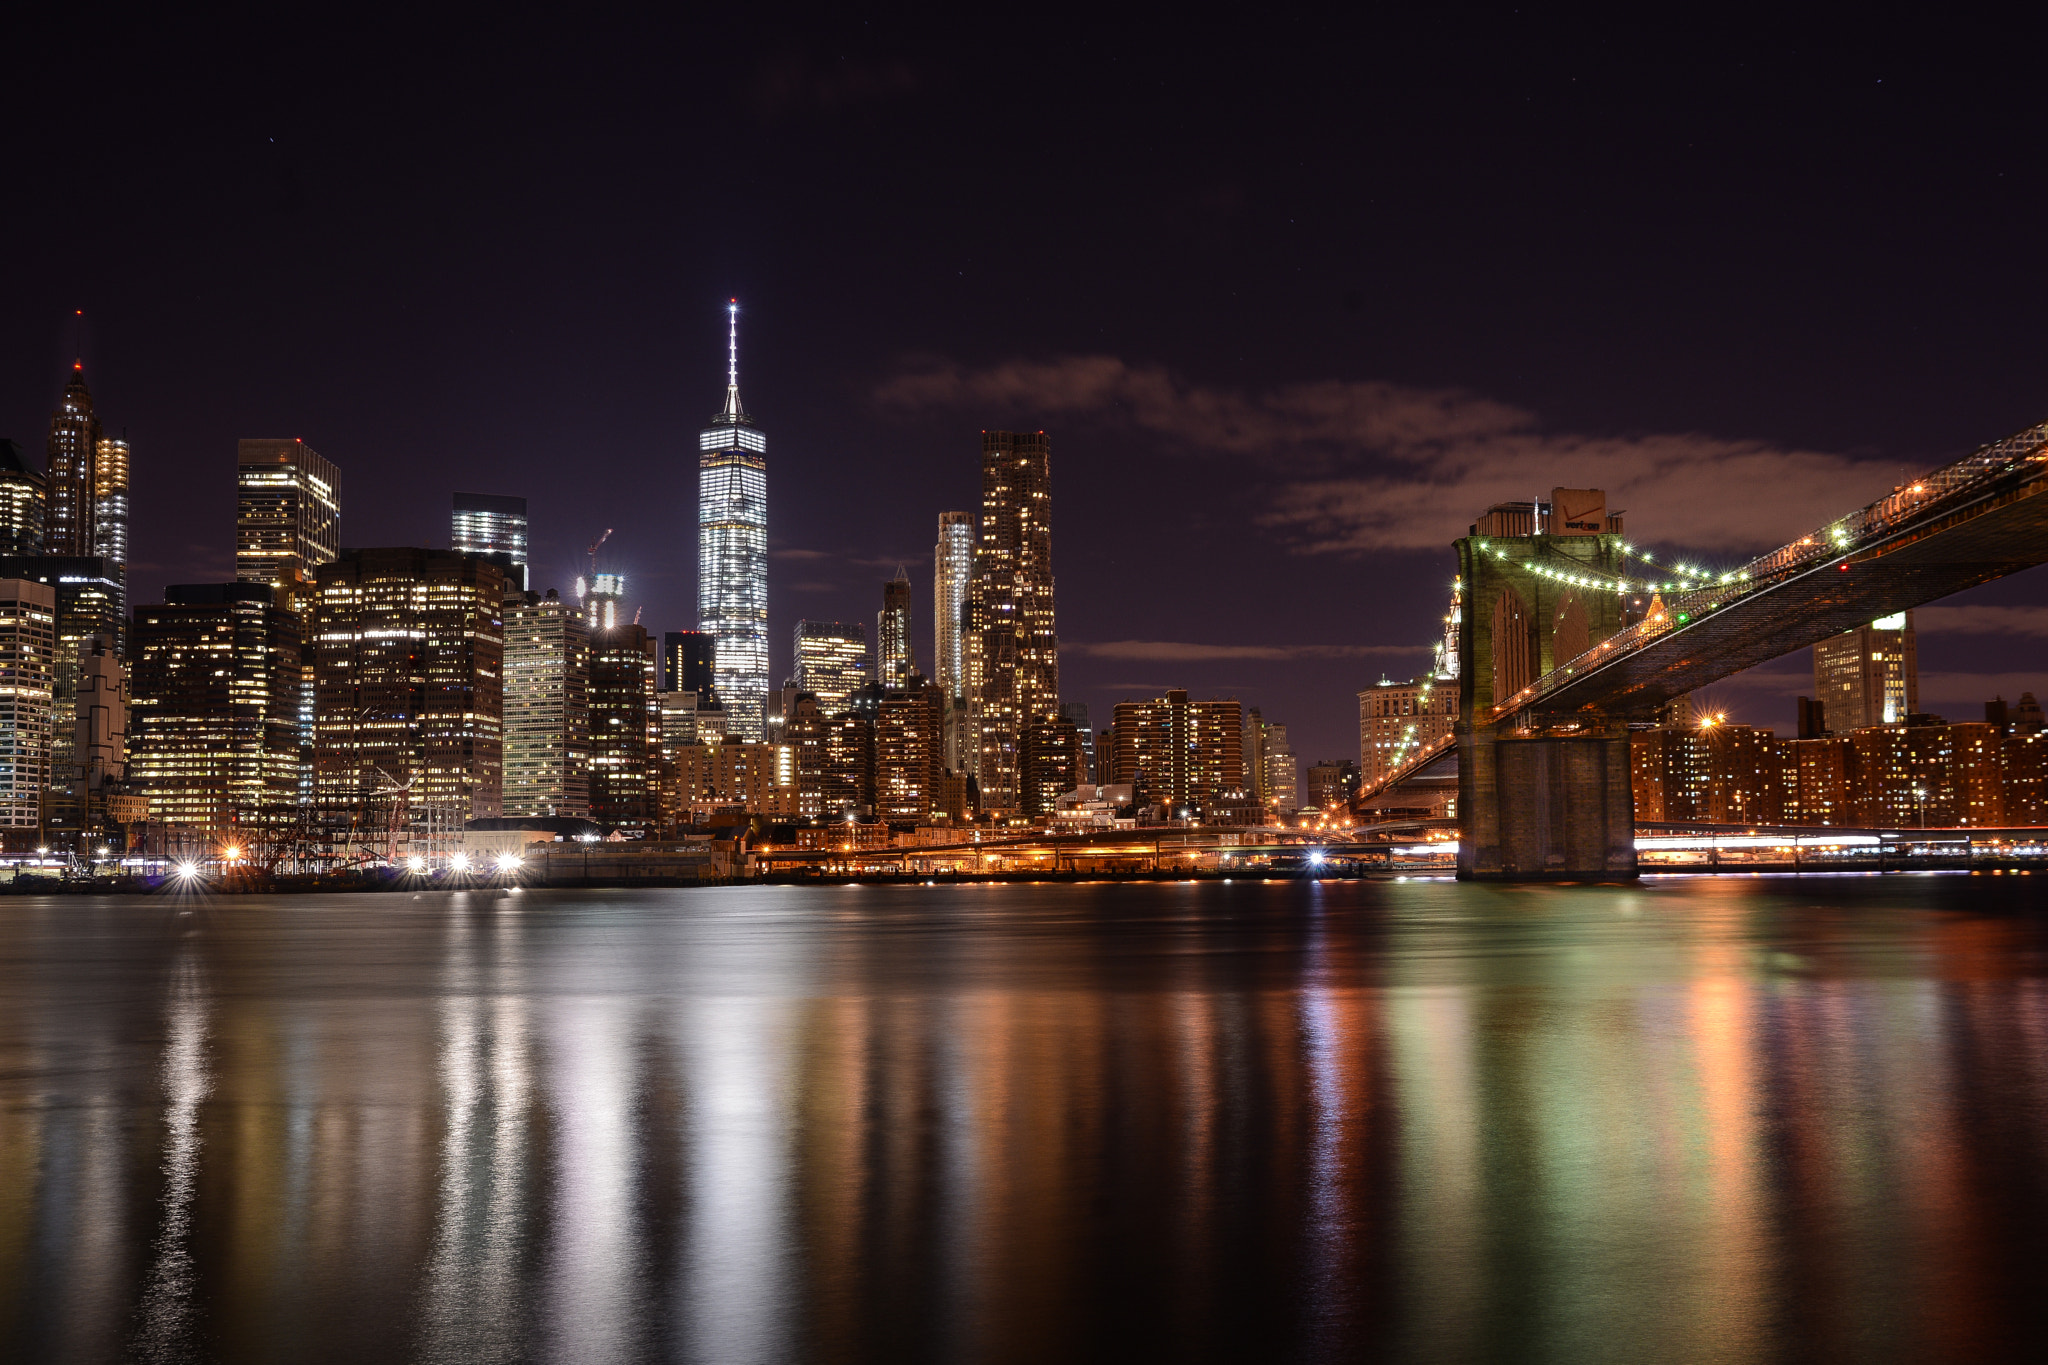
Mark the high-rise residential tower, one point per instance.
(1870, 676)
(1013, 668)
(287, 514)
(831, 662)
(952, 571)
(952, 568)
(110, 516)
(71, 517)
(24, 492)
(732, 551)
(895, 654)
(489, 525)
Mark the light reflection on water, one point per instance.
(1692, 1120)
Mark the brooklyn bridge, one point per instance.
(1562, 632)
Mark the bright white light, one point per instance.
(416, 863)
(461, 862)
(188, 869)
(507, 861)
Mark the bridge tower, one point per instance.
(1540, 797)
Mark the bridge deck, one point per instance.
(1978, 519)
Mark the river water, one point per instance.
(1696, 1119)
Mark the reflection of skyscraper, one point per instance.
(732, 551)
(1013, 669)
(895, 655)
(1869, 676)
(831, 661)
(487, 524)
(69, 520)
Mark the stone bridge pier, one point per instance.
(1540, 798)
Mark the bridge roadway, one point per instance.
(1977, 519)
(1152, 844)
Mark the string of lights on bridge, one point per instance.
(1682, 577)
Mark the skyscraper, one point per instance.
(214, 710)
(1870, 676)
(287, 513)
(547, 707)
(28, 641)
(70, 518)
(952, 569)
(489, 525)
(1013, 669)
(23, 495)
(409, 664)
(732, 551)
(88, 601)
(1181, 753)
(624, 729)
(895, 654)
(110, 517)
(831, 661)
(687, 662)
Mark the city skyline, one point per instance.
(1311, 381)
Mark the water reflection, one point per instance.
(1693, 1121)
(167, 1313)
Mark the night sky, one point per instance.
(1295, 298)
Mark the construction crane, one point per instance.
(592, 551)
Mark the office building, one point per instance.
(70, 516)
(1283, 774)
(547, 707)
(1013, 670)
(732, 551)
(1181, 754)
(910, 757)
(831, 661)
(24, 493)
(1399, 720)
(1077, 712)
(409, 660)
(491, 526)
(110, 519)
(214, 707)
(1869, 676)
(287, 514)
(1332, 783)
(28, 644)
(88, 602)
(895, 655)
(624, 729)
(688, 661)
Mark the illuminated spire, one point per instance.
(732, 360)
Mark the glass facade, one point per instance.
(732, 555)
(487, 524)
(952, 569)
(831, 662)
